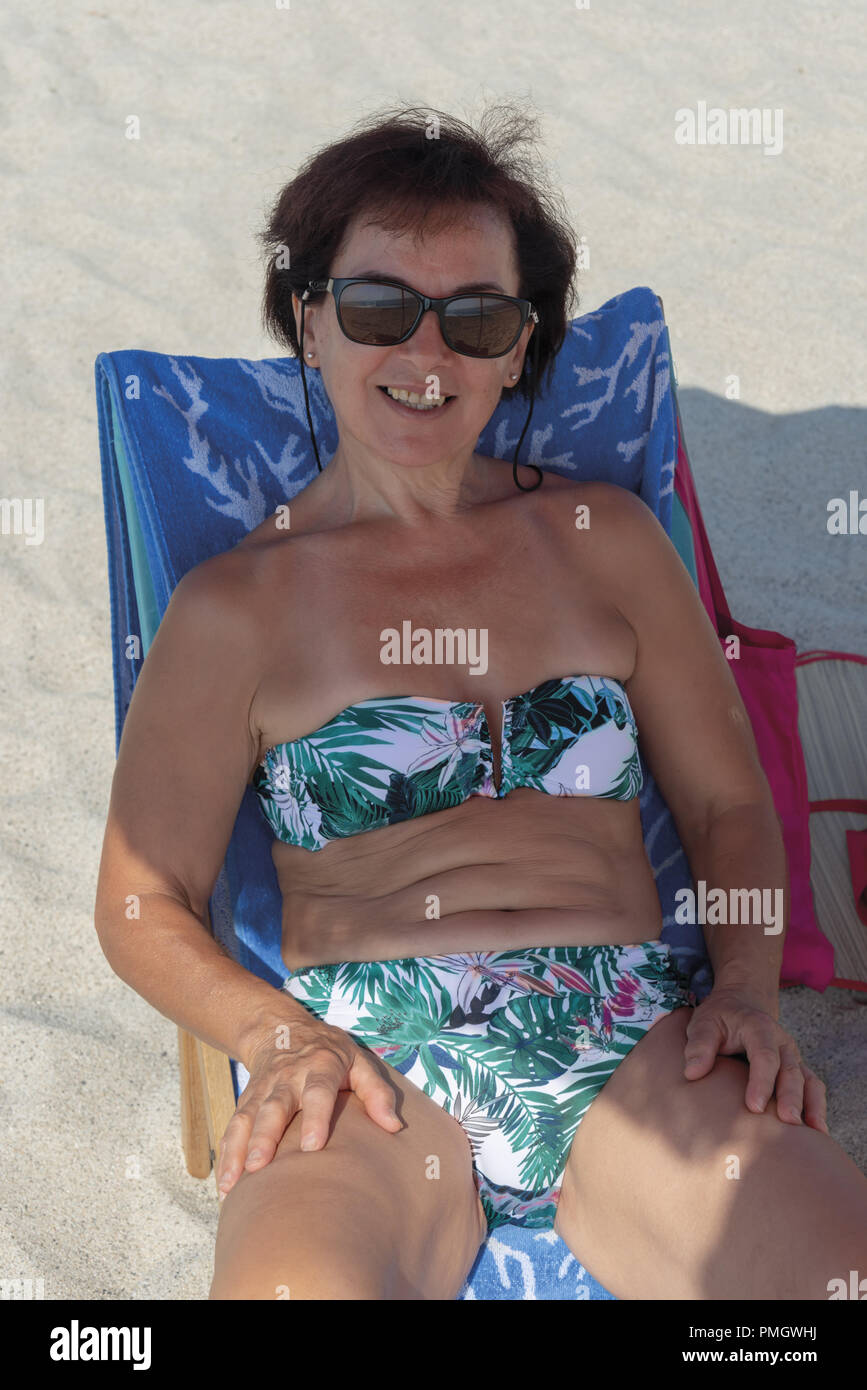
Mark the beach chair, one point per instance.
(195, 452)
(832, 705)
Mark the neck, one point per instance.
(355, 486)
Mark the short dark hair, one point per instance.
(388, 169)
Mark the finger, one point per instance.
(704, 1038)
(815, 1102)
(375, 1093)
(790, 1085)
(764, 1062)
(272, 1117)
(317, 1106)
(233, 1149)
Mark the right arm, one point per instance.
(185, 756)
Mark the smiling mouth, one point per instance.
(411, 401)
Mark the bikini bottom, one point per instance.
(515, 1045)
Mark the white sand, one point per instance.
(111, 243)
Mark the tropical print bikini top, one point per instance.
(397, 757)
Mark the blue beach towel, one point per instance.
(196, 451)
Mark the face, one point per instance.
(480, 249)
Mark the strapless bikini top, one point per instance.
(397, 757)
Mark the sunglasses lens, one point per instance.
(482, 325)
(477, 325)
(378, 315)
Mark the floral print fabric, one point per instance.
(386, 760)
(514, 1044)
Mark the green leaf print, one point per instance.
(527, 1119)
(528, 1031)
(628, 783)
(345, 811)
(406, 1011)
(535, 763)
(607, 970)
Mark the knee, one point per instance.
(324, 1275)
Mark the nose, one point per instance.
(427, 338)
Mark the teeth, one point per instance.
(413, 399)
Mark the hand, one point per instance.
(319, 1061)
(729, 1022)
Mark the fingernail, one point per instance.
(254, 1156)
(309, 1141)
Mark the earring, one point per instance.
(513, 375)
(310, 354)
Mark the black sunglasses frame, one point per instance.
(336, 286)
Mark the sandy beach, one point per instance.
(111, 242)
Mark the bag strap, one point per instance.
(807, 658)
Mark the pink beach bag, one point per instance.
(765, 676)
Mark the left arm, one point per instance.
(698, 743)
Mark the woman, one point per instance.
(480, 1022)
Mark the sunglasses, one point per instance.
(384, 313)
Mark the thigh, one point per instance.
(371, 1215)
(674, 1189)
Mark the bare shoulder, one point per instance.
(225, 601)
(261, 596)
(255, 562)
(600, 511)
(607, 496)
(220, 585)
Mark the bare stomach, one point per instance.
(488, 875)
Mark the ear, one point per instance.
(309, 327)
(516, 362)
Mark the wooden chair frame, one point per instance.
(207, 1102)
(207, 1098)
